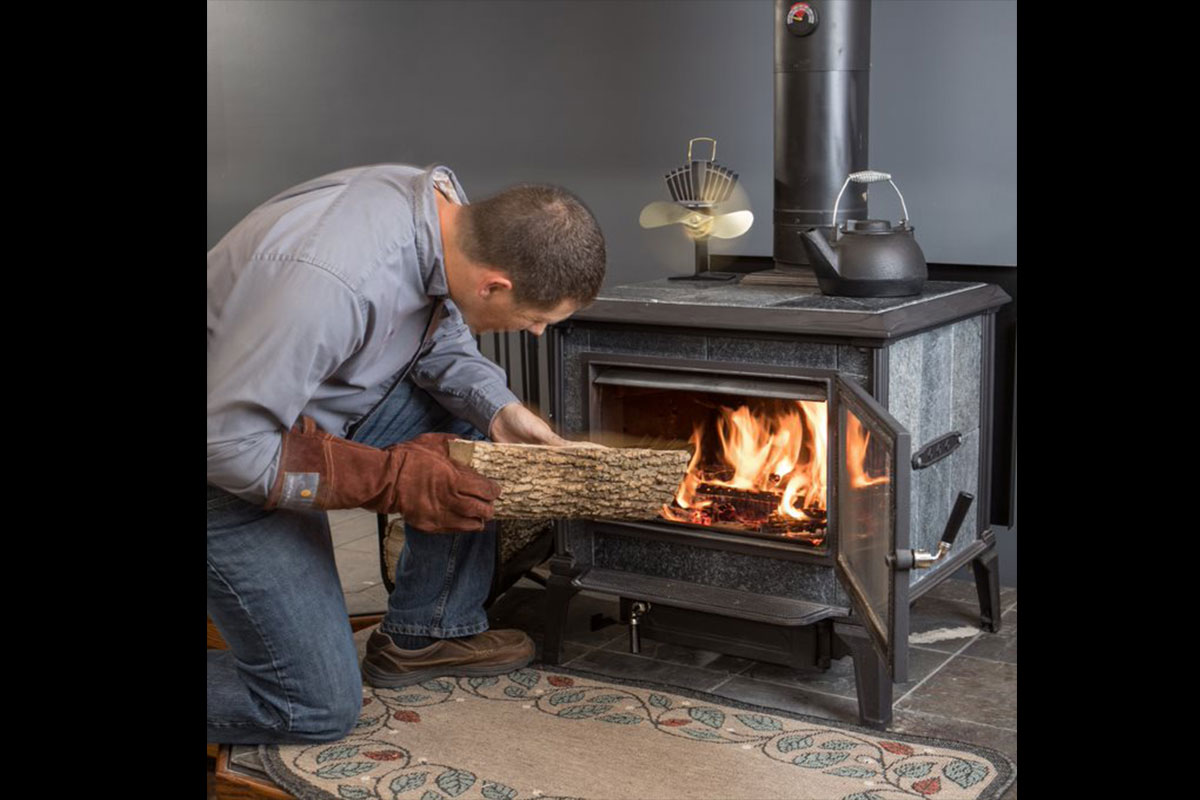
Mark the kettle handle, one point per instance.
(867, 176)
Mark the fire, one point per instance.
(857, 440)
(769, 469)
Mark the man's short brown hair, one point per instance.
(544, 237)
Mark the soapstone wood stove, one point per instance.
(886, 400)
(905, 384)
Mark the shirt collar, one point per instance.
(429, 231)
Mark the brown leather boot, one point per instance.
(496, 652)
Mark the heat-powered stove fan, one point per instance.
(702, 191)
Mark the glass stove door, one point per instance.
(873, 480)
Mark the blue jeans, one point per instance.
(291, 674)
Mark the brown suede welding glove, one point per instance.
(416, 479)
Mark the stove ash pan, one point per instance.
(798, 511)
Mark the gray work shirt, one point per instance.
(317, 302)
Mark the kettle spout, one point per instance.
(822, 257)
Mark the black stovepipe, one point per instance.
(822, 81)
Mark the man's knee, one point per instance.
(328, 715)
(337, 719)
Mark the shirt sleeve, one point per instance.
(286, 327)
(459, 377)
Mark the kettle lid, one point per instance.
(867, 226)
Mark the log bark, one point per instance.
(539, 481)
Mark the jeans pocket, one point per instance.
(227, 510)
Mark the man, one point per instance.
(341, 358)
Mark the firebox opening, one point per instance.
(759, 464)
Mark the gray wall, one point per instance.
(944, 123)
(602, 97)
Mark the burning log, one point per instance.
(538, 481)
(749, 504)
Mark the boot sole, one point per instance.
(380, 680)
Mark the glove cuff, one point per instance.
(318, 471)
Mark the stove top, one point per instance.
(789, 309)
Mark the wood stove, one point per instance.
(885, 401)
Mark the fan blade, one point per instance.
(660, 213)
(731, 225)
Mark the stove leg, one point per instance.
(987, 584)
(559, 591)
(824, 634)
(871, 676)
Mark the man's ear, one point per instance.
(494, 281)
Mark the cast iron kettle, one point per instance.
(867, 258)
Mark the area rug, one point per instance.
(553, 733)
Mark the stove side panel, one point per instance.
(934, 388)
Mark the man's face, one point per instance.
(498, 312)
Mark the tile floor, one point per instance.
(962, 682)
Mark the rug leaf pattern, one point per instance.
(373, 764)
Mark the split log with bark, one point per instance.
(539, 481)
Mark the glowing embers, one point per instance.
(760, 467)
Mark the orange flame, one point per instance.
(781, 454)
(857, 440)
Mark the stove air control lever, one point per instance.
(908, 559)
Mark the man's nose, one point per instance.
(537, 330)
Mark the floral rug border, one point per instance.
(1005, 769)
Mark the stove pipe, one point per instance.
(822, 80)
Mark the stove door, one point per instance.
(873, 478)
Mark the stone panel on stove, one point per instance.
(935, 381)
(968, 350)
(904, 383)
(666, 345)
(792, 579)
(855, 362)
(775, 352)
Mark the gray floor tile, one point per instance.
(352, 525)
(789, 698)
(338, 516)
(936, 623)
(624, 665)
(372, 600)
(367, 546)
(1001, 646)
(839, 678)
(969, 689)
(356, 570)
(964, 592)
